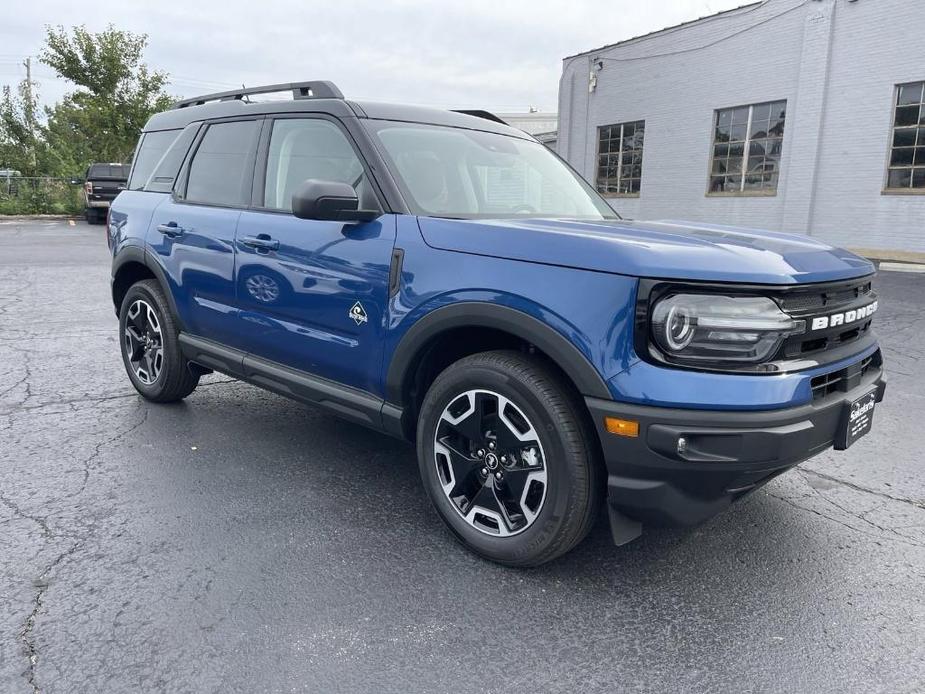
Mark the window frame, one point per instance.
(258, 183)
(181, 183)
(743, 192)
(894, 106)
(597, 159)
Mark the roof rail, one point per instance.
(478, 113)
(316, 89)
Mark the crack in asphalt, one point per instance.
(902, 539)
(912, 502)
(28, 626)
(93, 400)
(88, 463)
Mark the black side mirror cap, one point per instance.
(329, 201)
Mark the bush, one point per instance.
(22, 196)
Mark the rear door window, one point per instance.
(151, 148)
(221, 170)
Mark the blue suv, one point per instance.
(444, 278)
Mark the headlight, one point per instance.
(704, 327)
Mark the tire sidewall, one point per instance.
(560, 484)
(140, 291)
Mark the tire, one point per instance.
(521, 523)
(152, 356)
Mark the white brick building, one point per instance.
(793, 115)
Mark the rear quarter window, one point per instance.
(151, 148)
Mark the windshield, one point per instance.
(453, 172)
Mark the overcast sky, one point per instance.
(503, 55)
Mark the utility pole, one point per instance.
(30, 111)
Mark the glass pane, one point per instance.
(716, 184)
(760, 128)
(219, 170)
(733, 183)
(900, 178)
(722, 133)
(719, 166)
(629, 130)
(152, 148)
(902, 156)
(723, 118)
(755, 164)
(773, 147)
(634, 185)
(721, 151)
(770, 181)
(907, 115)
(737, 150)
(779, 110)
(921, 140)
(303, 148)
(734, 165)
(737, 133)
(904, 137)
(918, 178)
(740, 116)
(920, 156)
(761, 112)
(910, 94)
(758, 148)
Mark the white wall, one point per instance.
(836, 64)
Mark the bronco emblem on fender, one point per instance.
(358, 313)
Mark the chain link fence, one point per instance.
(40, 195)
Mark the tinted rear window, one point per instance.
(220, 171)
(161, 181)
(119, 171)
(152, 147)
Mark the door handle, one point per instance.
(170, 229)
(262, 242)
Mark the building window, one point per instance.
(747, 145)
(619, 158)
(907, 154)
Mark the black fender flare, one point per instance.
(476, 314)
(139, 254)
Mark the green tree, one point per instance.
(116, 93)
(19, 132)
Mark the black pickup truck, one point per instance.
(103, 182)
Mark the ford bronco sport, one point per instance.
(444, 278)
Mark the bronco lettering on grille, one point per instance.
(845, 318)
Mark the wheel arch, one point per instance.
(495, 327)
(133, 264)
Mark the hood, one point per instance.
(662, 249)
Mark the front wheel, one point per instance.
(508, 458)
(150, 345)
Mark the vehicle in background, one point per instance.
(103, 182)
(445, 278)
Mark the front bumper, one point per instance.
(727, 455)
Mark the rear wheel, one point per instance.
(507, 458)
(150, 345)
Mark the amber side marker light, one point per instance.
(622, 427)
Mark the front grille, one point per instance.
(843, 380)
(823, 300)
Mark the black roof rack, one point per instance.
(479, 113)
(316, 89)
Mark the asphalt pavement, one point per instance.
(239, 542)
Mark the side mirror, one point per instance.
(329, 201)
